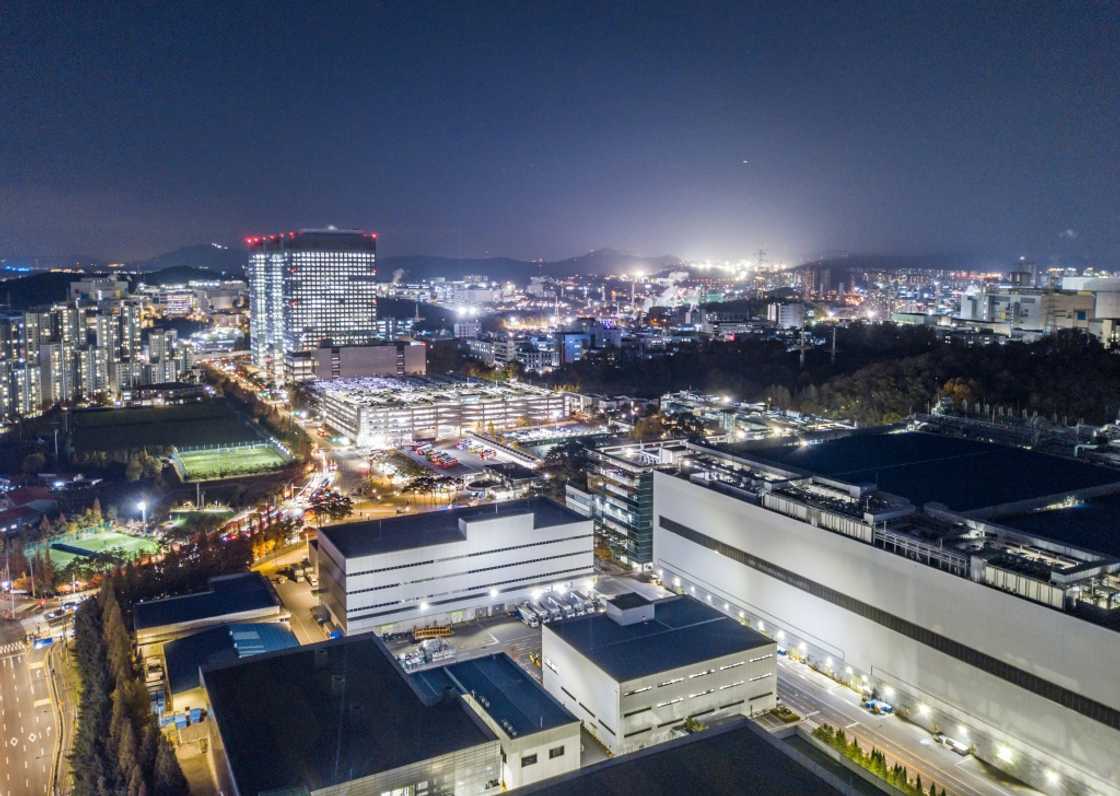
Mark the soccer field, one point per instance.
(66, 548)
(223, 462)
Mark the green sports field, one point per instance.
(64, 549)
(228, 462)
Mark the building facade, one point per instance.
(972, 634)
(308, 289)
(445, 567)
(636, 674)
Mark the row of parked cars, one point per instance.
(554, 606)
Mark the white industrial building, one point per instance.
(971, 584)
(444, 567)
(636, 674)
(382, 412)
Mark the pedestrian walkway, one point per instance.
(12, 647)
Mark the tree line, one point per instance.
(882, 373)
(118, 747)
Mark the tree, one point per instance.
(134, 469)
(567, 463)
(33, 463)
(168, 779)
(332, 505)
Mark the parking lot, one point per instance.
(485, 637)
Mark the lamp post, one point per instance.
(143, 506)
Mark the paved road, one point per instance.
(27, 723)
(823, 701)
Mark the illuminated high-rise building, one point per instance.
(308, 289)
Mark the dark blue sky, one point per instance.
(544, 129)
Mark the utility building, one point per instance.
(637, 673)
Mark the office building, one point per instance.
(343, 718)
(786, 315)
(308, 289)
(399, 358)
(384, 412)
(970, 584)
(620, 480)
(637, 673)
(444, 567)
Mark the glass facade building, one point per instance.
(307, 289)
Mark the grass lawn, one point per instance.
(204, 423)
(97, 542)
(221, 462)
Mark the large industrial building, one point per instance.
(736, 757)
(307, 289)
(341, 717)
(384, 412)
(444, 567)
(637, 673)
(973, 585)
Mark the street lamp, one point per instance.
(142, 505)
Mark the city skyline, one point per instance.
(524, 132)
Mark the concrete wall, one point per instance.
(1036, 739)
(587, 691)
(748, 678)
(671, 696)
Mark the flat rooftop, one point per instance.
(734, 758)
(220, 645)
(683, 631)
(1092, 525)
(506, 691)
(325, 714)
(415, 392)
(965, 475)
(228, 594)
(358, 539)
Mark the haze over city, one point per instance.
(542, 130)
(560, 398)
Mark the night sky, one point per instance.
(545, 129)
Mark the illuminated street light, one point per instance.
(142, 507)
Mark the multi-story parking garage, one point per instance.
(383, 412)
(974, 586)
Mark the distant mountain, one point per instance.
(891, 262)
(181, 274)
(31, 291)
(219, 258)
(421, 266)
(598, 262)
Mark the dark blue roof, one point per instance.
(739, 758)
(1093, 525)
(218, 645)
(228, 594)
(356, 539)
(506, 691)
(683, 631)
(962, 474)
(328, 713)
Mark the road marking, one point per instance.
(40, 702)
(849, 726)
